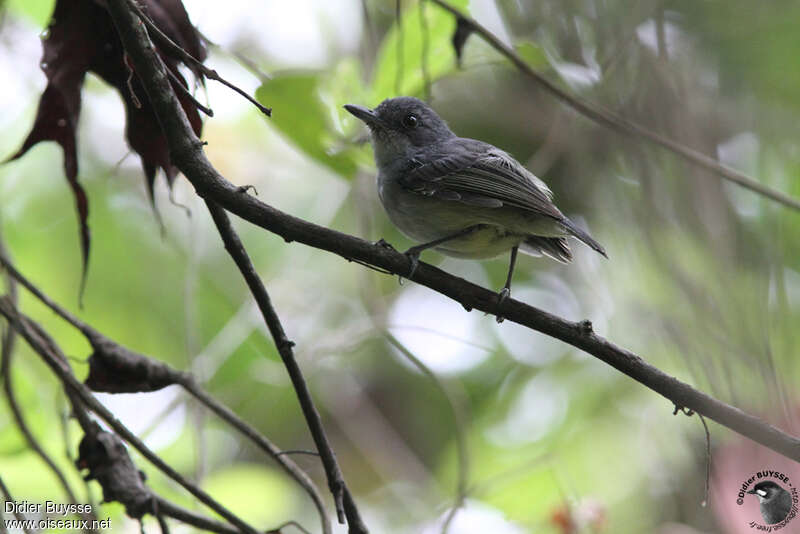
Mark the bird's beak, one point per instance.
(751, 492)
(366, 115)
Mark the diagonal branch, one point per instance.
(345, 505)
(115, 369)
(617, 123)
(7, 344)
(17, 514)
(174, 50)
(73, 387)
(120, 480)
(263, 443)
(187, 154)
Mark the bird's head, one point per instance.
(400, 124)
(766, 491)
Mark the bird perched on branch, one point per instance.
(463, 197)
(775, 501)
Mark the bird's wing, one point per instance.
(476, 173)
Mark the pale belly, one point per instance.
(487, 242)
(426, 219)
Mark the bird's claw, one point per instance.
(413, 257)
(243, 189)
(383, 244)
(501, 297)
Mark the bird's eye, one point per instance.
(410, 121)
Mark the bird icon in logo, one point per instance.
(774, 500)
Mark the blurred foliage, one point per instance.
(299, 93)
(37, 11)
(703, 280)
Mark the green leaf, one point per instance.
(345, 85)
(299, 114)
(437, 29)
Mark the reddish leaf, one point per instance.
(81, 38)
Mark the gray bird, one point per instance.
(463, 197)
(775, 501)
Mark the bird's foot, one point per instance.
(383, 244)
(413, 258)
(501, 297)
(244, 189)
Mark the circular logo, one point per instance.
(777, 499)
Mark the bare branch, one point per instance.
(72, 385)
(615, 122)
(190, 518)
(187, 154)
(6, 355)
(8, 498)
(266, 445)
(116, 369)
(345, 506)
(174, 50)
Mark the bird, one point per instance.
(463, 197)
(775, 502)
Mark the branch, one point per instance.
(73, 386)
(115, 471)
(17, 514)
(190, 518)
(187, 154)
(266, 445)
(174, 50)
(116, 369)
(6, 356)
(345, 505)
(615, 122)
(19, 418)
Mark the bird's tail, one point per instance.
(573, 229)
(552, 247)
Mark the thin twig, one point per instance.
(47, 301)
(189, 384)
(248, 63)
(174, 50)
(163, 506)
(264, 444)
(8, 498)
(6, 355)
(187, 154)
(190, 518)
(616, 122)
(23, 325)
(182, 88)
(294, 524)
(299, 451)
(345, 507)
